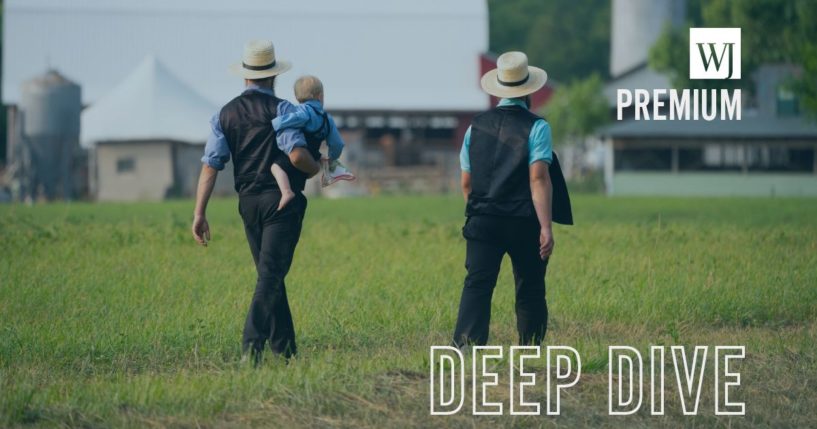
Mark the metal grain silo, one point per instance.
(49, 108)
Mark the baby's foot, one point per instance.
(286, 197)
(335, 171)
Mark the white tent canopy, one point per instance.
(150, 104)
(406, 55)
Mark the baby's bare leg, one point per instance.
(283, 184)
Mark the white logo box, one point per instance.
(721, 53)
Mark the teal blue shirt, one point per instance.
(540, 142)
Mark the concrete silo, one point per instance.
(48, 121)
(636, 25)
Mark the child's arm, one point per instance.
(333, 141)
(296, 119)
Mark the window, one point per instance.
(787, 102)
(125, 165)
(784, 159)
(691, 159)
(711, 157)
(756, 157)
(648, 159)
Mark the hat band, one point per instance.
(259, 68)
(517, 83)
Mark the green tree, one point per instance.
(574, 113)
(772, 31)
(577, 109)
(568, 38)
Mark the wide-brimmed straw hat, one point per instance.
(258, 61)
(513, 77)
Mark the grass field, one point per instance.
(110, 315)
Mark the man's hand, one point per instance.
(201, 230)
(546, 243)
(207, 180)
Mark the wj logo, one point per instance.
(714, 53)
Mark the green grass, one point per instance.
(110, 315)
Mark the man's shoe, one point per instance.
(333, 171)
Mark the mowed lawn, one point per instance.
(110, 315)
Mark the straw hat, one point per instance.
(258, 61)
(513, 77)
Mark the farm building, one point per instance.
(401, 78)
(770, 152)
(45, 158)
(145, 137)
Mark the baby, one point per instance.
(317, 126)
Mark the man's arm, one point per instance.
(465, 165)
(465, 182)
(303, 160)
(540, 148)
(216, 155)
(207, 180)
(541, 190)
(216, 150)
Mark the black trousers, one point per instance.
(489, 238)
(272, 236)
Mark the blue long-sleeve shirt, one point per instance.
(540, 142)
(307, 117)
(217, 152)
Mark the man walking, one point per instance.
(242, 130)
(514, 189)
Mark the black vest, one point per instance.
(500, 172)
(247, 125)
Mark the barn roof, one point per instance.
(150, 104)
(752, 126)
(409, 55)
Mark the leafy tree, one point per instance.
(568, 38)
(574, 112)
(772, 31)
(577, 109)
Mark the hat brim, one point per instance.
(536, 80)
(281, 66)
